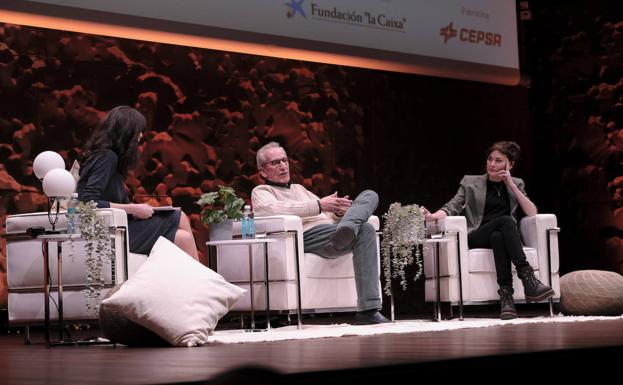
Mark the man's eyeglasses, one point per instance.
(276, 162)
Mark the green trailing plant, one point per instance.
(404, 230)
(220, 205)
(96, 235)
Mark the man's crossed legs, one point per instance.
(354, 234)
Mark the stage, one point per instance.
(544, 350)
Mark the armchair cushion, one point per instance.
(319, 267)
(481, 260)
(175, 296)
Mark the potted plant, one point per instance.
(403, 231)
(219, 210)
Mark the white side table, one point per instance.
(446, 237)
(436, 272)
(250, 243)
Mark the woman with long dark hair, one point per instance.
(491, 203)
(109, 154)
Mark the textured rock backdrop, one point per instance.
(578, 93)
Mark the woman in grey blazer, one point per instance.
(490, 204)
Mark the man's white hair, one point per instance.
(260, 158)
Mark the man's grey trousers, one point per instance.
(365, 258)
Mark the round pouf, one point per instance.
(118, 329)
(591, 292)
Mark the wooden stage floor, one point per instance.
(556, 349)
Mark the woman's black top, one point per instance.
(100, 181)
(497, 202)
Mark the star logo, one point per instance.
(295, 7)
(447, 32)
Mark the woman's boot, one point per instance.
(507, 306)
(534, 289)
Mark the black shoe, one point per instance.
(370, 317)
(340, 242)
(507, 306)
(534, 289)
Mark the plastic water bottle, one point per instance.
(248, 223)
(243, 222)
(72, 218)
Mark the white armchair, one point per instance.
(327, 285)
(25, 269)
(469, 277)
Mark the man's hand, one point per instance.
(335, 204)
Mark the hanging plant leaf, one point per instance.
(404, 229)
(96, 235)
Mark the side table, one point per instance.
(250, 243)
(438, 239)
(444, 238)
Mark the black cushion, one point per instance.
(117, 328)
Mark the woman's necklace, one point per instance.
(497, 188)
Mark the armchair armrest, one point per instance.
(454, 223)
(534, 233)
(533, 229)
(118, 217)
(456, 267)
(21, 222)
(278, 223)
(275, 223)
(374, 221)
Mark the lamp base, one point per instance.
(53, 218)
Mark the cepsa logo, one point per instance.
(472, 36)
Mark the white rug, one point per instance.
(415, 326)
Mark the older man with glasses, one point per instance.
(332, 225)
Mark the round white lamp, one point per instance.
(59, 183)
(46, 161)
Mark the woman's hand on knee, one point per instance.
(141, 210)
